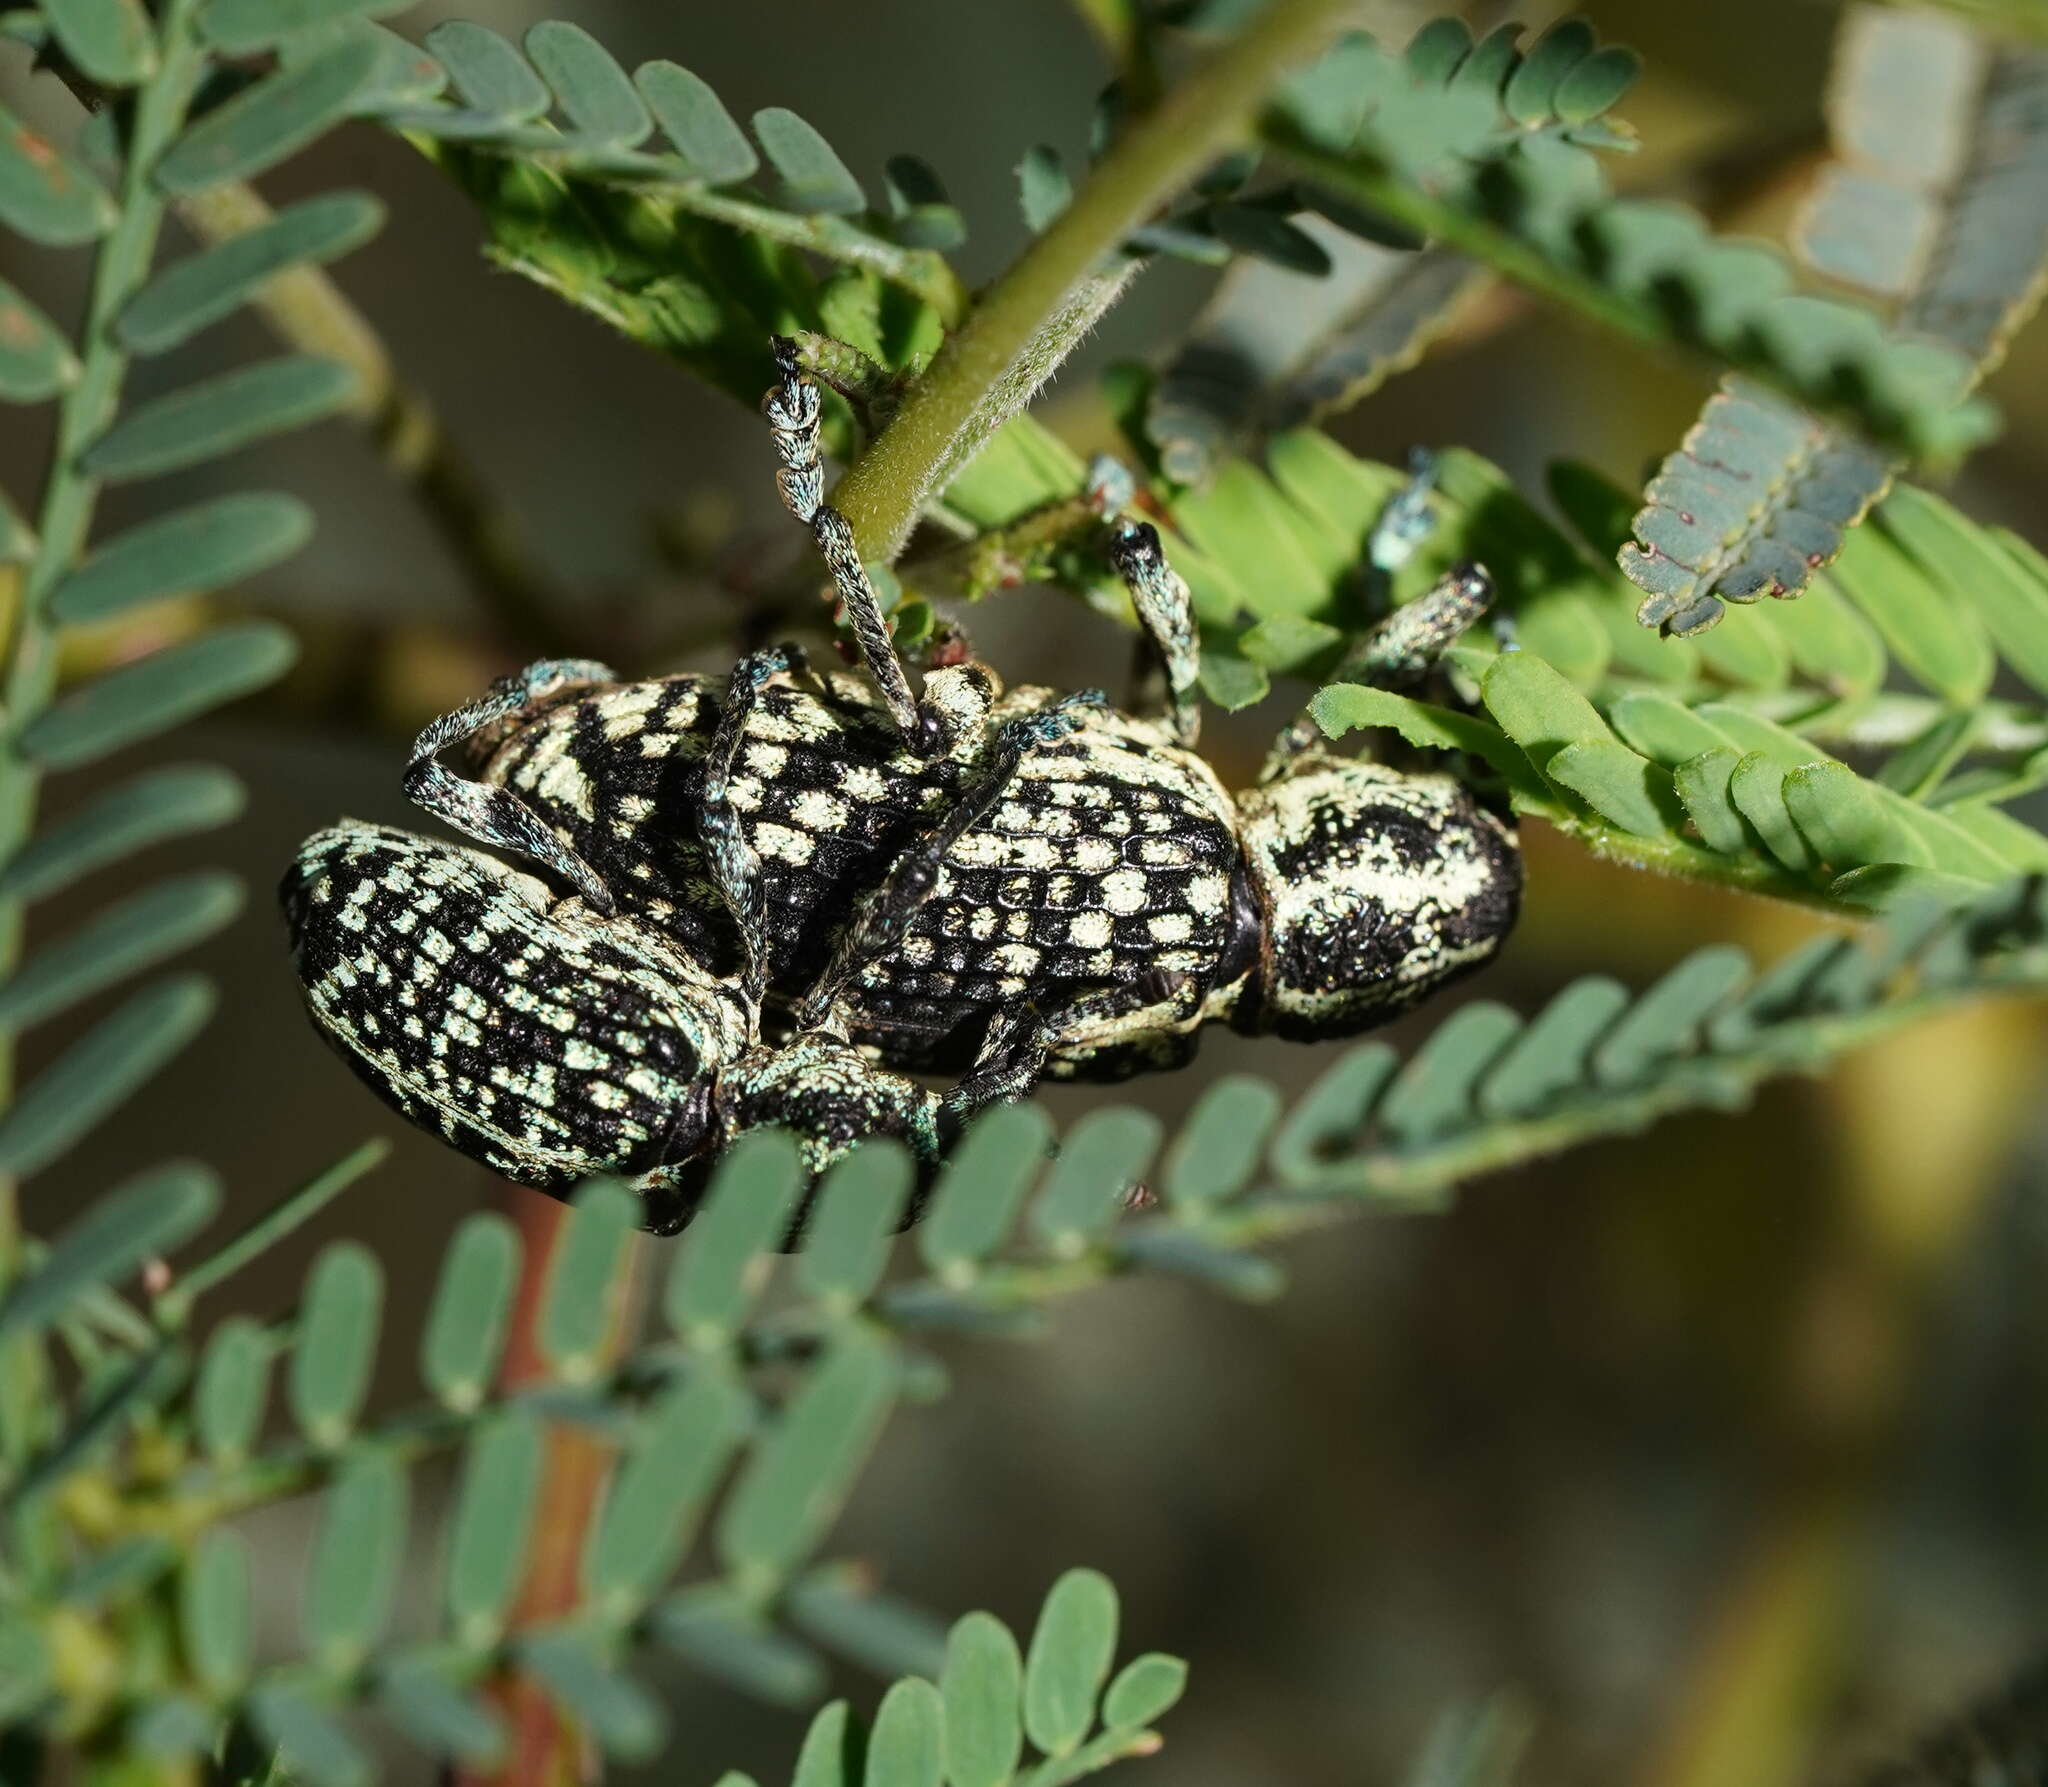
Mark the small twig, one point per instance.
(547, 1749)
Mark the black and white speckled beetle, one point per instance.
(771, 899)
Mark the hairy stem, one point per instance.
(1033, 315)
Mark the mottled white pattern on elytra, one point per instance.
(494, 1048)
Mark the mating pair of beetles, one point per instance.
(773, 899)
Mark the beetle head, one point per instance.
(1376, 886)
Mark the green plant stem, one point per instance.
(1115, 24)
(1033, 315)
(175, 1305)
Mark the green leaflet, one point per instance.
(337, 1342)
(221, 416)
(981, 1688)
(45, 194)
(270, 121)
(711, 1629)
(1071, 1650)
(309, 1741)
(793, 1483)
(213, 1611)
(711, 143)
(1552, 1050)
(356, 1554)
(714, 1279)
(192, 294)
(150, 1215)
(577, 1313)
(859, 1208)
(1218, 1147)
(598, 100)
(488, 73)
(133, 934)
(1044, 187)
(907, 1743)
(1664, 1022)
(813, 177)
(36, 362)
(1144, 1689)
(111, 41)
(838, 1606)
(239, 26)
(1104, 1159)
(177, 684)
(1756, 497)
(487, 1540)
(1970, 569)
(1942, 645)
(467, 1320)
(191, 551)
(1433, 1092)
(148, 809)
(652, 1506)
(97, 1074)
(439, 1717)
(982, 1188)
(1344, 707)
(624, 1718)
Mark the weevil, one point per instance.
(776, 897)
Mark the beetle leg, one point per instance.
(793, 408)
(1020, 1043)
(495, 815)
(735, 868)
(1399, 652)
(884, 914)
(1160, 595)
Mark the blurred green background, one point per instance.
(1723, 1450)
